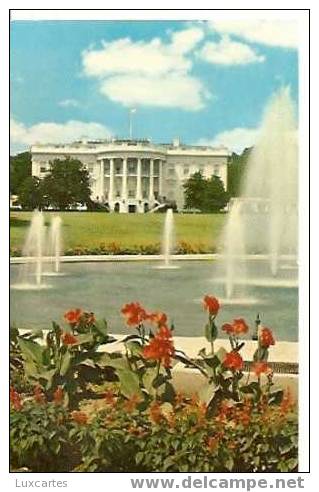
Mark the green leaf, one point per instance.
(86, 338)
(134, 347)
(65, 363)
(167, 392)
(292, 463)
(221, 353)
(229, 463)
(48, 376)
(276, 396)
(113, 360)
(88, 363)
(31, 350)
(251, 388)
(129, 383)
(211, 331)
(148, 379)
(139, 457)
(101, 327)
(168, 462)
(202, 352)
(261, 354)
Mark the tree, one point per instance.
(67, 184)
(215, 196)
(20, 169)
(236, 171)
(30, 193)
(194, 190)
(207, 195)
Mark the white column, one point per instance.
(101, 180)
(160, 179)
(111, 189)
(151, 191)
(139, 180)
(124, 180)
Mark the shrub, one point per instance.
(39, 437)
(125, 435)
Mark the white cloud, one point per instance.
(22, 136)
(269, 32)
(186, 40)
(228, 52)
(154, 73)
(170, 91)
(69, 103)
(236, 139)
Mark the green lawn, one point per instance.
(91, 229)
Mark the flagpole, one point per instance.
(130, 126)
(131, 111)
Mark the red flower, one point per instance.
(58, 395)
(68, 339)
(15, 399)
(237, 327)
(261, 368)
(266, 337)
(130, 404)
(240, 326)
(109, 398)
(161, 347)
(287, 402)
(73, 316)
(228, 328)
(39, 395)
(211, 304)
(158, 318)
(134, 313)
(155, 412)
(79, 417)
(233, 360)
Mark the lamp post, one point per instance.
(257, 323)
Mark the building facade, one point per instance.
(135, 175)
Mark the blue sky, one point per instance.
(204, 82)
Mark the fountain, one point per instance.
(55, 246)
(168, 241)
(263, 221)
(32, 268)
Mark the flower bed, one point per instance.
(75, 408)
(115, 248)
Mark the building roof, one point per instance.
(97, 146)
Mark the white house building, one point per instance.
(135, 175)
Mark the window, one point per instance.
(216, 171)
(118, 166)
(131, 167)
(171, 171)
(106, 167)
(156, 167)
(186, 171)
(43, 169)
(145, 167)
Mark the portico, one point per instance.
(130, 183)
